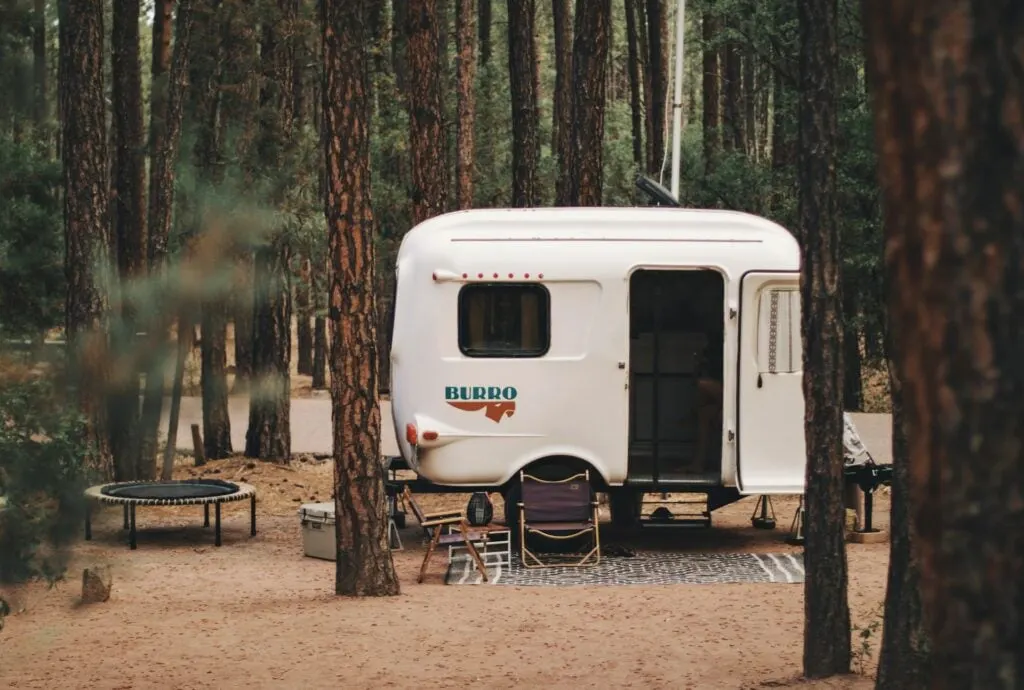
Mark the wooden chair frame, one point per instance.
(530, 559)
(464, 534)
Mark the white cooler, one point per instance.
(318, 530)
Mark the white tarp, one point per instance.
(854, 450)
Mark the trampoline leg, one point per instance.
(206, 515)
(88, 522)
(216, 538)
(252, 516)
(131, 527)
(125, 516)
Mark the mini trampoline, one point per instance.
(179, 492)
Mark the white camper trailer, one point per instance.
(658, 347)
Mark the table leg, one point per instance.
(125, 511)
(131, 527)
(88, 521)
(252, 516)
(216, 528)
(206, 515)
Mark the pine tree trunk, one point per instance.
(732, 115)
(853, 399)
(484, 29)
(86, 220)
(465, 30)
(590, 61)
(399, 44)
(826, 611)
(635, 104)
(749, 104)
(525, 117)
(945, 81)
(712, 137)
(562, 110)
(319, 353)
(904, 659)
(213, 381)
(129, 216)
(40, 70)
(243, 311)
(165, 133)
(657, 67)
(364, 566)
(426, 136)
(304, 318)
(268, 436)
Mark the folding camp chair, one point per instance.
(428, 530)
(558, 510)
(461, 533)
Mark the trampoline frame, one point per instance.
(95, 494)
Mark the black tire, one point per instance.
(625, 507)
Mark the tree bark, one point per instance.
(657, 67)
(319, 353)
(853, 398)
(426, 136)
(86, 220)
(268, 436)
(826, 611)
(525, 117)
(40, 70)
(590, 62)
(304, 318)
(465, 34)
(562, 111)
(165, 134)
(636, 107)
(904, 659)
(364, 566)
(712, 137)
(749, 101)
(484, 29)
(732, 115)
(947, 101)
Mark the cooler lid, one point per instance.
(317, 511)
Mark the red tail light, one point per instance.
(410, 434)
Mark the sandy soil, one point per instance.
(256, 613)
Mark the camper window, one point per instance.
(779, 350)
(506, 320)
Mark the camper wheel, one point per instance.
(625, 506)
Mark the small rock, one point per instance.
(96, 584)
(250, 465)
(296, 500)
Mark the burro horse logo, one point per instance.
(497, 402)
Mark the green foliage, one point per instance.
(31, 243)
(42, 478)
(864, 640)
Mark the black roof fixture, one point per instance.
(659, 195)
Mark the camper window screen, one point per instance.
(507, 320)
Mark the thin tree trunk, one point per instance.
(484, 29)
(826, 611)
(732, 115)
(657, 66)
(319, 353)
(947, 94)
(465, 33)
(635, 105)
(525, 117)
(86, 220)
(749, 104)
(562, 111)
(590, 61)
(165, 133)
(712, 138)
(363, 566)
(853, 399)
(426, 136)
(40, 70)
(304, 318)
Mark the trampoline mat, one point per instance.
(181, 488)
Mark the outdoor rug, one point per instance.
(642, 569)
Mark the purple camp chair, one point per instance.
(558, 510)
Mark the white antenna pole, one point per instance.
(677, 101)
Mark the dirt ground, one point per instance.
(256, 613)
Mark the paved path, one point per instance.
(311, 426)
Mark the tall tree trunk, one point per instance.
(562, 111)
(268, 436)
(364, 566)
(40, 70)
(853, 399)
(319, 353)
(636, 107)
(525, 117)
(304, 318)
(904, 659)
(749, 103)
(429, 183)
(712, 138)
(826, 611)
(590, 61)
(86, 219)
(732, 115)
(129, 216)
(484, 29)
(947, 93)
(465, 34)
(165, 134)
(657, 66)
(399, 44)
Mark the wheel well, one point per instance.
(559, 467)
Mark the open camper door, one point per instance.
(770, 422)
